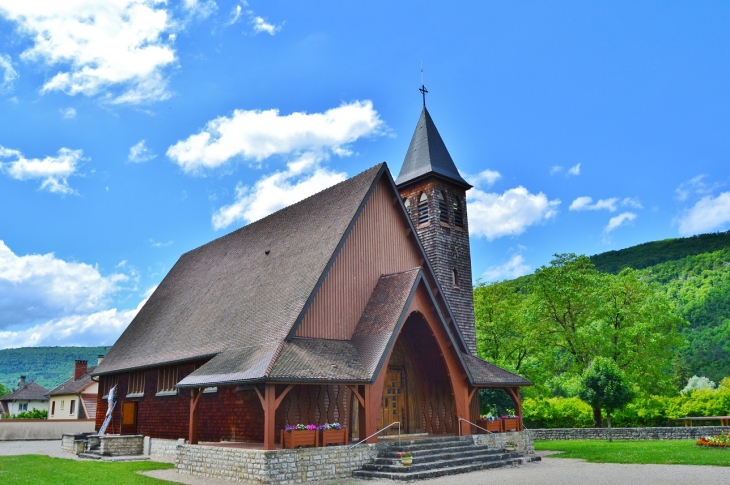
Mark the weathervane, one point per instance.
(423, 89)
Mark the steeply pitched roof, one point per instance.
(485, 373)
(244, 291)
(72, 386)
(427, 154)
(29, 392)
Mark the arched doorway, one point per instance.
(417, 389)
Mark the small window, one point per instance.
(443, 213)
(72, 407)
(458, 215)
(108, 383)
(136, 383)
(455, 278)
(166, 380)
(62, 403)
(423, 208)
(53, 408)
(407, 203)
(23, 407)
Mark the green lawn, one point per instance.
(669, 452)
(39, 469)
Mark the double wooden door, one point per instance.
(394, 399)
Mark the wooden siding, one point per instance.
(375, 247)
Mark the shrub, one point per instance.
(34, 414)
(695, 383)
(557, 412)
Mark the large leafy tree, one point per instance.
(604, 386)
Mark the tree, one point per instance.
(604, 386)
(4, 390)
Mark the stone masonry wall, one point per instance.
(273, 467)
(524, 440)
(672, 433)
(162, 447)
(121, 445)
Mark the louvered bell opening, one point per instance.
(458, 215)
(443, 214)
(423, 209)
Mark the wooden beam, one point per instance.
(471, 394)
(360, 398)
(283, 395)
(195, 394)
(270, 417)
(261, 398)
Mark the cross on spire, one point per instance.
(424, 91)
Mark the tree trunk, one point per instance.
(597, 418)
(608, 418)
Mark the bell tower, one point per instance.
(434, 194)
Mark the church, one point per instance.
(354, 305)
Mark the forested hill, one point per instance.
(48, 366)
(656, 252)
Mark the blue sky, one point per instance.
(132, 131)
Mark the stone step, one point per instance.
(89, 455)
(477, 453)
(440, 472)
(417, 445)
(393, 452)
(445, 462)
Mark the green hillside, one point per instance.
(656, 252)
(48, 366)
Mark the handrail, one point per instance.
(349, 448)
(378, 432)
(476, 425)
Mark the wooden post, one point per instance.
(269, 417)
(514, 393)
(195, 394)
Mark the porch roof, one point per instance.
(486, 374)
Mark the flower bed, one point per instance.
(333, 434)
(300, 435)
(721, 440)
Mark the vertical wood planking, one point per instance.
(373, 248)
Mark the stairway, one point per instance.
(436, 457)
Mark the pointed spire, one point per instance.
(427, 155)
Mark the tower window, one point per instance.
(423, 208)
(455, 278)
(443, 214)
(407, 203)
(458, 215)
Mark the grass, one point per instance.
(39, 469)
(668, 452)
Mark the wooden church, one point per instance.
(354, 305)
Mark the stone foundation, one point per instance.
(125, 445)
(669, 433)
(524, 440)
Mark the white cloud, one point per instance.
(53, 171)
(486, 177)
(618, 221)
(574, 170)
(556, 169)
(99, 328)
(158, 244)
(256, 135)
(41, 286)
(301, 179)
(694, 186)
(200, 8)
(632, 202)
(708, 214)
(235, 15)
(508, 214)
(585, 204)
(139, 153)
(9, 74)
(118, 49)
(260, 25)
(514, 268)
(68, 113)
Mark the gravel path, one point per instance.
(551, 471)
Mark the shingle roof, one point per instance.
(427, 154)
(72, 386)
(319, 360)
(487, 374)
(230, 297)
(29, 392)
(383, 312)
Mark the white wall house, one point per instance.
(27, 397)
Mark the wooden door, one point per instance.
(129, 417)
(394, 399)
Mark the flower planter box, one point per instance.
(293, 439)
(334, 436)
(494, 426)
(511, 424)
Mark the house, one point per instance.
(75, 398)
(354, 305)
(28, 396)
